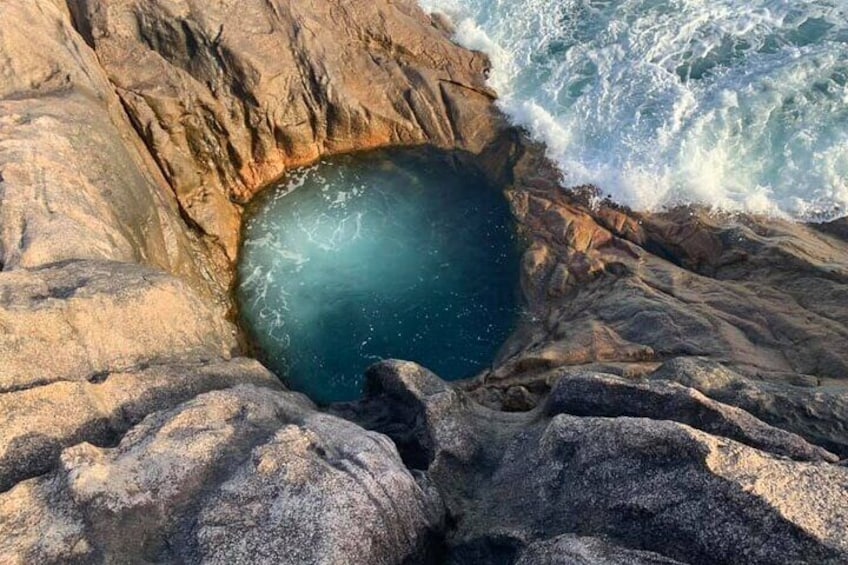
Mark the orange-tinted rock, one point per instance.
(229, 96)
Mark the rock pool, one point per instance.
(388, 254)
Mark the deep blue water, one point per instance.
(385, 255)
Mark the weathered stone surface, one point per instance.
(596, 394)
(569, 549)
(75, 179)
(325, 492)
(74, 320)
(40, 524)
(245, 465)
(514, 480)
(37, 423)
(817, 413)
(665, 487)
(229, 95)
(608, 285)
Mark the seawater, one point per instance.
(401, 254)
(739, 105)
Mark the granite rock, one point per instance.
(514, 483)
(597, 394)
(816, 412)
(229, 95)
(241, 475)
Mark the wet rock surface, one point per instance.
(676, 395)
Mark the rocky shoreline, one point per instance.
(676, 395)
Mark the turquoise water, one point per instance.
(385, 255)
(740, 105)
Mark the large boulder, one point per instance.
(89, 348)
(238, 476)
(594, 394)
(664, 487)
(526, 486)
(37, 423)
(322, 492)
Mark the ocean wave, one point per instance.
(739, 106)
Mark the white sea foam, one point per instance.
(741, 105)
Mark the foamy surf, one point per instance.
(741, 106)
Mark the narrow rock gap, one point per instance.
(79, 23)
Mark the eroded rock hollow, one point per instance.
(675, 396)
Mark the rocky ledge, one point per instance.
(676, 394)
